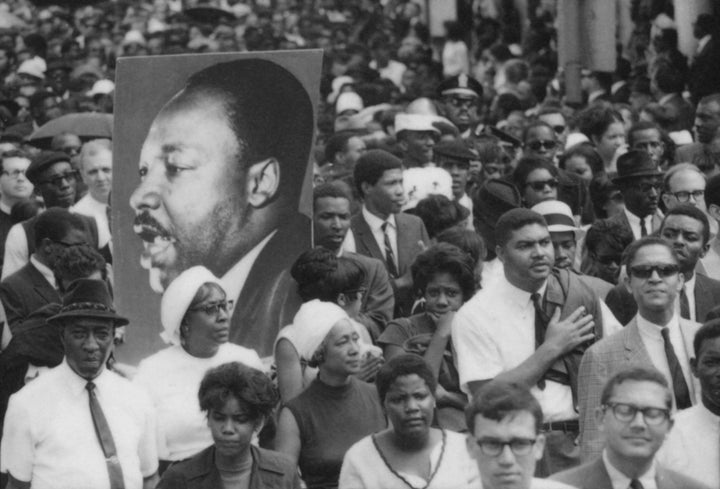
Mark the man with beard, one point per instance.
(462, 98)
(220, 174)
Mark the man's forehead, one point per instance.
(514, 422)
(681, 222)
(709, 108)
(646, 134)
(652, 253)
(332, 204)
(55, 168)
(90, 324)
(530, 232)
(687, 178)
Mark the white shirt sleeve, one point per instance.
(16, 251)
(17, 449)
(477, 356)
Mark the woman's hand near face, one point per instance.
(370, 366)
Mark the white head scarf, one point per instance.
(178, 297)
(312, 323)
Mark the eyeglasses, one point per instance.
(559, 129)
(647, 145)
(458, 102)
(617, 197)
(609, 259)
(537, 144)
(57, 180)
(492, 447)
(647, 187)
(15, 174)
(539, 185)
(65, 244)
(646, 271)
(626, 412)
(214, 308)
(684, 196)
(71, 150)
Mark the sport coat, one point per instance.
(24, 292)
(378, 302)
(703, 71)
(594, 475)
(603, 360)
(621, 219)
(707, 295)
(410, 232)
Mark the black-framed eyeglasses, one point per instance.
(684, 195)
(15, 174)
(625, 413)
(492, 447)
(57, 180)
(540, 185)
(609, 259)
(647, 187)
(647, 145)
(645, 271)
(214, 308)
(559, 129)
(548, 144)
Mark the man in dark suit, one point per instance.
(703, 70)
(705, 126)
(686, 228)
(380, 230)
(14, 187)
(667, 85)
(34, 285)
(331, 223)
(220, 173)
(628, 459)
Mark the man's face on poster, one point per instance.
(191, 201)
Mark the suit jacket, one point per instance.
(703, 71)
(24, 292)
(269, 299)
(603, 360)
(621, 219)
(594, 475)
(410, 231)
(707, 295)
(378, 303)
(679, 112)
(269, 470)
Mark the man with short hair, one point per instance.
(657, 336)
(505, 437)
(646, 136)
(693, 446)
(331, 223)
(684, 184)
(668, 85)
(342, 150)
(81, 425)
(455, 157)
(686, 229)
(380, 230)
(531, 327)
(705, 127)
(14, 187)
(96, 170)
(416, 137)
(711, 260)
(703, 79)
(554, 117)
(462, 96)
(634, 415)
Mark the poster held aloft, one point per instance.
(213, 157)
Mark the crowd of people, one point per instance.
(506, 289)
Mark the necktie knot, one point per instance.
(636, 484)
(90, 386)
(665, 332)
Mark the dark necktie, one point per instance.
(680, 387)
(541, 319)
(102, 430)
(643, 232)
(636, 484)
(389, 255)
(684, 305)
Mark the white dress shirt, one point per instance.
(690, 294)
(375, 224)
(621, 481)
(711, 260)
(635, 223)
(693, 445)
(88, 206)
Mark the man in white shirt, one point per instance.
(81, 426)
(96, 170)
(693, 446)
(657, 336)
(634, 416)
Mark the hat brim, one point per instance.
(563, 228)
(88, 313)
(654, 173)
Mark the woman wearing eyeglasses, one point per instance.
(195, 316)
(537, 180)
(409, 454)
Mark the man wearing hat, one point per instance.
(461, 96)
(56, 181)
(640, 182)
(417, 135)
(455, 157)
(81, 425)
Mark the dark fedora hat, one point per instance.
(636, 164)
(494, 198)
(88, 298)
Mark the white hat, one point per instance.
(422, 106)
(178, 297)
(32, 67)
(101, 87)
(415, 122)
(681, 138)
(312, 323)
(337, 83)
(558, 216)
(134, 37)
(348, 101)
(575, 138)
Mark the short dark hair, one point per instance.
(632, 250)
(444, 258)
(438, 213)
(399, 366)
(497, 400)
(708, 331)
(336, 189)
(596, 119)
(528, 164)
(371, 166)
(613, 233)
(669, 79)
(513, 220)
(692, 212)
(320, 274)
(638, 373)
(535, 125)
(584, 150)
(601, 189)
(78, 262)
(55, 223)
(249, 386)
(642, 126)
(337, 143)
(468, 241)
(267, 108)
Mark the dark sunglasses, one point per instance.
(536, 145)
(646, 271)
(540, 184)
(609, 259)
(70, 176)
(558, 129)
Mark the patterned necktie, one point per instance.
(102, 430)
(389, 255)
(636, 484)
(643, 232)
(680, 387)
(684, 305)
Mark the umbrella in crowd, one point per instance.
(86, 125)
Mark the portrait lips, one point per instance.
(157, 242)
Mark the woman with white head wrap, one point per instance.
(317, 427)
(195, 317)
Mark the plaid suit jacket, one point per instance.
(603, 360)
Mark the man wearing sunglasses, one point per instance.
(656, 336)
(462, 97)
(634, 416)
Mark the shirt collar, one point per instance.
(76, 384)
(636, 220)
(651, 329)
(690, 285)
(375, 222)
(621, 481)
(702, 42)
(44, 270)
(517, 295)
(5, 208)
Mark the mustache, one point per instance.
(147, 227)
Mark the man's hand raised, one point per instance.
(564, 336)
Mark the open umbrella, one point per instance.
(208, 14)
(86, 125)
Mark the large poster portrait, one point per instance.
(211, 163)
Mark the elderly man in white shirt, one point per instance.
(96, 170)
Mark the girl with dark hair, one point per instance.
(605, 128)
(536, 179)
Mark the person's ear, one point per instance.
(694, 366)
(667, 199)
(500, 252)
(714, 211)
(263, 181)
(539, 447)
(342, 300)
(705, 249)
(626, 281)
